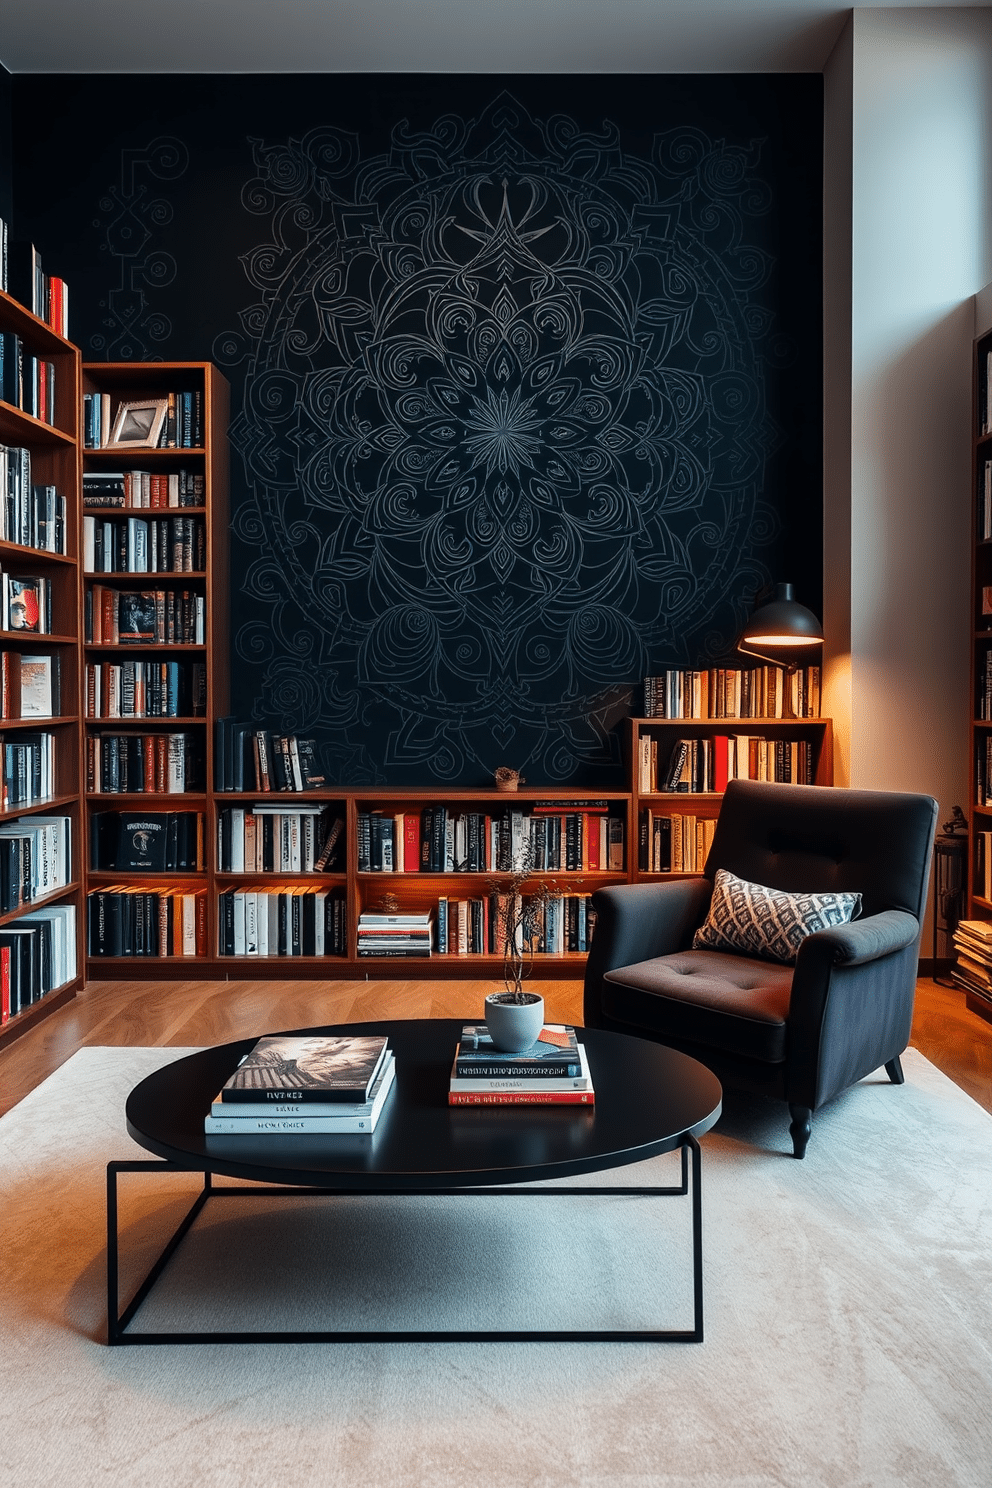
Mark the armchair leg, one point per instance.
(800, 1128)
(894, 1071)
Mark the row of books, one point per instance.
(147, 841)
(27, 382)
(298, 920)
(570, 836)
(144, 617)
(674, 844)
(29, 685)
(35, 859)
(267, 839)
(983, 701)
(129, 921)
(705, 765)
(26, 604)
(553, 1071)
(31, 514)
(983, 865)
(733, 692)
(37, 956)
(143, 490)
(144, 545)
(146, 689)
(547, 924)
(326, 1086)
(985, 505)
(985, 398)
(27, 769)
(138, 764)
(176, 416)
(983, 770)
(250, 758)
(22, 276)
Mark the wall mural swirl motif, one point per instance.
(505, 426)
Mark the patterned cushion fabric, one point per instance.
(768, 922)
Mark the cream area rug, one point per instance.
(848, 1314)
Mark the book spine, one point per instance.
(219, 1126)
(521, 1098)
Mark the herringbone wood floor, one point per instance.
(208, 1012)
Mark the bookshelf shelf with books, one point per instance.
(154, 622)
(41, 898)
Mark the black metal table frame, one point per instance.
(118, 1322)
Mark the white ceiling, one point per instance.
(564, 36)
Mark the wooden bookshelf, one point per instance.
(979, 892)
(207, 460)
(54, 461)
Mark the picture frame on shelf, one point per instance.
(138, 425)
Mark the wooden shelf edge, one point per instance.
(43, 1008)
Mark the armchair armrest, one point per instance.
(863, 940)
(635, 922)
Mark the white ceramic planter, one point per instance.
(514, 1026)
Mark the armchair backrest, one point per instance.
(812, 837)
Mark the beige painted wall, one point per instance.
(909, 106)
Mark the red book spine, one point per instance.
(4, 984)
(521, 1098)
(721, 747)
(411, 843)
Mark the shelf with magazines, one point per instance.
(40, 809)
(972, 944)
(154, 626)
(680, 767)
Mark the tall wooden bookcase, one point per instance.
(979, 896)
(199, 465)
(54, 461)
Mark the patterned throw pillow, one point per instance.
(768, 922)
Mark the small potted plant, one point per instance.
(515, 1017)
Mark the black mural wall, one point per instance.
(525, 374)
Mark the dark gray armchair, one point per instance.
(801, 1032)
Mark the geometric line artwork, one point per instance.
(505, 432)
(130, 325)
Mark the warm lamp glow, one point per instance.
(781, 640)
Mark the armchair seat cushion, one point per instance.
(728, 1002)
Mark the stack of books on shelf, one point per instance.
(250, 758)
(139, 764)
(298, 920)
(37, 955)
(318, 1086)
(141, 490)
(27, 769)
(554, 1071)
(395, 934)
(551, 924)
(129, 921)
(22, 276)
(35, 859)
(144, 617)
(144, 545)
(31, 514)
(270, 839)
(146, 689)
(694, 766)
(674, 844)
(973, 968)
(26, 382)
(732, 692)
(573, 836)
(147, 841)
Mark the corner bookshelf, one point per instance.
(977, 983)
(154, 620)
(42, 545)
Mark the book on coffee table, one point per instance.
(253, 1119)
(555, 1054)
(307, 1069)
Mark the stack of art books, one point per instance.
(553, 1071)
(316, 1085)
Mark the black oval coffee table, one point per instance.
(649, 1100)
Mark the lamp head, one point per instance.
(782, 630)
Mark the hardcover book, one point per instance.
(307, 1069)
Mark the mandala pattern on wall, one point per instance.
(505, 430)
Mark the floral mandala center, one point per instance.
(505, 437)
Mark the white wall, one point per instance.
(909, 101)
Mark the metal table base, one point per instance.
(120, 1332)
